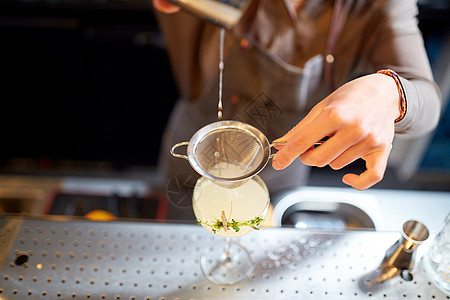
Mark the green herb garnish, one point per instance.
(236, 225)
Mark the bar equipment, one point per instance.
(399, 259)
(229, 153)
(51, 257)
(225, 13)
(436, 260)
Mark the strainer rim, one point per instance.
(204, 131)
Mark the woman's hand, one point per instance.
(359, 120)
(165, 6)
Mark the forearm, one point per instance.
(398, 45)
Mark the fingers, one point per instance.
(302, 140)
(295, 146)
(338, 151)
(376, 163)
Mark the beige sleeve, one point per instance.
(423, 107)
(398, 45)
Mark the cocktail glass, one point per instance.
(229, 213)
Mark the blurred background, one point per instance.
(86, 90)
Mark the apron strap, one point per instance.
(335, 28)
(244, 27)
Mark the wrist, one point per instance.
(402, 104)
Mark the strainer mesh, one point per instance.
(229, 153)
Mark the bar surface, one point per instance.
(79, 259)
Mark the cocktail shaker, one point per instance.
(225, 13)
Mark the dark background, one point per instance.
(85, 85)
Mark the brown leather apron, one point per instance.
(260, 89)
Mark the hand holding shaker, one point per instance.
(436, 261)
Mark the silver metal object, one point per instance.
(227, 152)
(400, 257)
(65, 258)
(335, 209)
(225, 13)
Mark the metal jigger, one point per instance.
(400, 257)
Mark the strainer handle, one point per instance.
(275, 144)
(172, 151)
(283, 143)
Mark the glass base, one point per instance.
(439, 278)
(226, 263)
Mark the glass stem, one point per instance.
(227, 249)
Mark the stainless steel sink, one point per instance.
(330, 210)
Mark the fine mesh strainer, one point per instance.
(227, 152)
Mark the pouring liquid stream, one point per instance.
(219, 106)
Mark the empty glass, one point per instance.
(436, 261)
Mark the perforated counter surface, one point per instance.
(76, 259)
